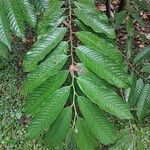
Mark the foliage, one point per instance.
(75, 91)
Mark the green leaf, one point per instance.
(48, 112)
(95, 21)
(40, 95)
(120, 18)
(53, 13)
(84, 137)
(58, 130)
(133, 99)
(100, 45)
(42, 47)
(142, 55)
(146, 68)
(130, 27)
(103, 66)
(44, 71)
(104, 97)
(28, 12)
(99, 125)
(16, 19)
(62, 48)
(5, 33)
(3, 50)
(124, 142)
(129, 42)
(143, 106)
(136, 16)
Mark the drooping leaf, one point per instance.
(96, 21)
(53, 13)
(99, 125)
(41, 94)
(3, 50)
(15, 17)
(58, 130)
(104, 97)
(124, 142)
(134, 97)
(42, 47)
(28, 12)
(44, 71)
(48, 112)
(100, 45)
(5, 33)
(120, 18)
(84, 137)
(142, 55)
(143, 106)
(146, 68)
(103, 66)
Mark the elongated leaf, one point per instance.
(93, 20)
(53, 13)
(124, 142)
(15, 17)
(83, 71)
(3, 50)
(104, 97)
(62, 48)
(102, 66)
(143, 106)
(84, 137)
(144, 54)
(146, 68)
(48, 112)
(133, 99)
(120, 18)
(44, 71)
(58, 130)
(40, 95)
(101, 128)
(5, 33)
(28, 12)
(101, 45)
(42, 47)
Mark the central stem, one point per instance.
(72, 66)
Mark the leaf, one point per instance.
(142, 55)
(100, 45)
(58, 130)
(96, 22)
(62, 48)
(143, 106)
(130, 27)
(53, 13)
(101, 128)
(83, 137)
(28, 12)
(15, 17)
(120, 18)
(124, 142)
(102, 66)
(48, 112)
(40, 95)
(133, 99)
(104, 97)
(129, 43)
(136, 16)
(42, 47)
(3, 50)
(146, 68)
(5, 33)
(44, 71)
